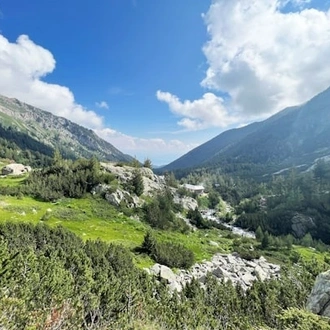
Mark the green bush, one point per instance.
(167, 253)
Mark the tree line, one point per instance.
(51, 279)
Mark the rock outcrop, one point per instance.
(224, 267)
(15, 169)
(151, 182)
(301, 224)
(188, 203)
(319, 300)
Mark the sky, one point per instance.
(158, 78)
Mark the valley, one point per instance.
(113, 211)
(215, 238)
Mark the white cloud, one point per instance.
(102, 105)
(22, 66)
(261, 57)
(266, 59)
(205, 112)
(157, 149)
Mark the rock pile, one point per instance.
(224, 267)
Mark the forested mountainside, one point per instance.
(29, 134)
(115, 220)
(297, 136)
(78, 237)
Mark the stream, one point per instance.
(210, 215)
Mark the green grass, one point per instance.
(310, 253)
(93, 218)
(12, 180)
(199, 242)
(81, 216)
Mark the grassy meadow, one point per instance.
(94, 218)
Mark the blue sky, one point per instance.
(157, 78)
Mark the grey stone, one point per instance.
(15, 169)
(224, 268)
(155, 269)
(248, 278)
(318, 301)
(260, 273)
(167, 274)
(301, 224)
(175, 286)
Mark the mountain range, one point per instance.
(295, 137)
(31, 127)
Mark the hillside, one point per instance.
(37, 130)
(296, 136)
(70, 277)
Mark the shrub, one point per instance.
(167, 253)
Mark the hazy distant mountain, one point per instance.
(27, 124)
(295, 136)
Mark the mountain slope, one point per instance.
(71, 139)
(295, 136)
(206, 151)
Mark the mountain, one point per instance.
(296, 136)
(38, 130)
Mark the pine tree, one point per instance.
(137, 183)
(265, 241)
(259, 234)
(57, 158)
(147, 163)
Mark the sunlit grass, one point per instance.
(12, 180)
(310, 253)
(94, 219)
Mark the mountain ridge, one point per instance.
(71, 139)
(291, 137)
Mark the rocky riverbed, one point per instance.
(211, 215)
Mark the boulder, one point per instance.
(221, 273)
(119, 196)
(248, 278)
(115, 198)
(175, 286)
(188, 203)
(155, 269)
(163, 272)
(260, 273)
(319, 300)
(167, 274)
(15, 169)
(301, 224)
(224, 267)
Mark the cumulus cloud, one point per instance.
(207, 111)
(23, 65)
(102, 105)
(262, 56)
(157, 148)
(265, 58)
